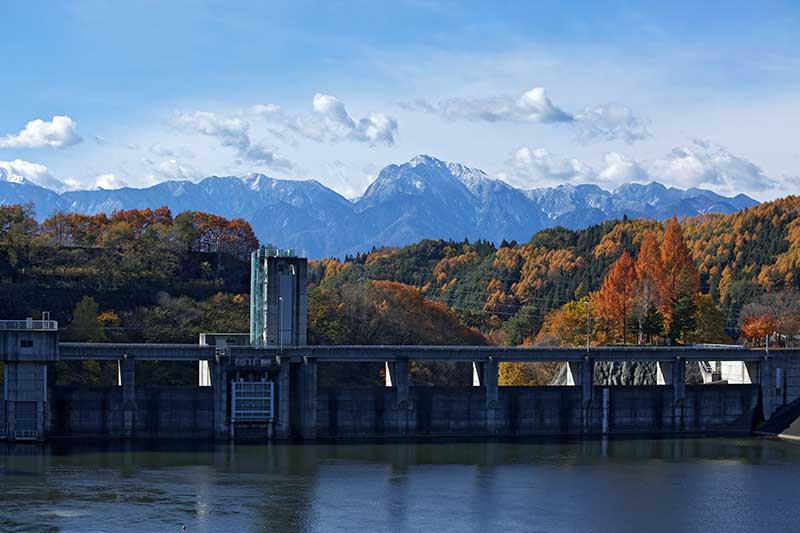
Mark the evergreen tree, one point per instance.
(653, 324)
(710, 322)
(524, 325)
(85, 325)
(684, 317)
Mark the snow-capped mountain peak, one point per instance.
(422, 198)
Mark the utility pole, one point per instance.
(280, 323)
(588, 323)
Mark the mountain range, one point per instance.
(423, 198)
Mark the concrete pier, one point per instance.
(283, 427)
(490, 385)
(128, 378)
(25, 393)
(308, 395)
(403, 420)
(219, 383)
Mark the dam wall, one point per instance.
(160, 411)
(371, 412)
(276, 392)
(534, 411)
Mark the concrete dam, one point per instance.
(265, 384)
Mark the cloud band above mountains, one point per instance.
(699, 165)
(603, 122)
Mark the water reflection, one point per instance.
(588, 485)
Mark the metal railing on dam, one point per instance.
(72, 351)
(381, 353)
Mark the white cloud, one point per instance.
(164, 151)
(19, 171)
(618, 169)
(709, 165)
(531, 106)
(232, 132)
(712, 167)
(57, 133)
(420, 104)
(603, 122)
(109, 181)
(330, 122)
(172, 169)
(266, 109)
(610, 122)
(538, 167)
(374, 128)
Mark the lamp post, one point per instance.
(588, 323)
(280, 323)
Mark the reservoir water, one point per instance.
(715, 484)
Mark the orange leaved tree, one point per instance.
(650, 293)
(758, 327)
(615, 297)
(680, 274)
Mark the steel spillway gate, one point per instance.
(252, 401)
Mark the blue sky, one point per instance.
(537, 93)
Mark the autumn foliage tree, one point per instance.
(567, 326)
(758, 327)
(680, 274)
(650, 294)
(616, 296)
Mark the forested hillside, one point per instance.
(738, 269)
(122, 261)
(146, 276)
(159, 277)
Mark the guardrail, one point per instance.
(29, 324)
(271, 251)
(339, 353)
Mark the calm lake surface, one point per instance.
(747, 484)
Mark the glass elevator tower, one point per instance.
(278, 297)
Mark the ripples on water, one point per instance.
(619, 485)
